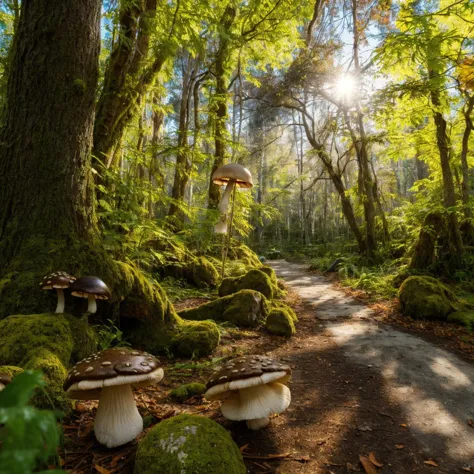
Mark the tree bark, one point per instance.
(45, 176)
(220, 99)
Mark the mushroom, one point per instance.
(109, 376)
(5, 379)
(92, 288)
(58, 281)
(232, 175)
(252, 389)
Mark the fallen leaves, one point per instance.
(369, 468)
(399, 446)
(430, 463)
(100, 469)
(374, 461)
(470, 422)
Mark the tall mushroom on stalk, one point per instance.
(234, 176)
(92, 288)
(58, 281)
(252, 389)
(109, 376)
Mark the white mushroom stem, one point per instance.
(255, 404)
(60, 305)
(258, 423)
(117, 421)
(92, 306)
(224, 202)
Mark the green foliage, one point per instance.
(183, 392)
(28, 436)
(109, 335)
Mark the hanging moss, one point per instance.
(188, 444)
(280, 322)
(195, 338)
(246, 308)
(184, 392)
(252, 280)
(423, 297)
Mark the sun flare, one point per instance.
(345, 87)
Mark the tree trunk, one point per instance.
(45, 177)
(220, 98)
(464, 153)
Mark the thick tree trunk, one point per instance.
(467, 112)
(45, 176)
(220, 98)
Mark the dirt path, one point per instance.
(360, 387)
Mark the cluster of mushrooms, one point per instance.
(251, 387)
(90, 287)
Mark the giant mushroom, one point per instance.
(252, 389)
(92, 288)
(232, 175)
(109, 376)
(58, 281)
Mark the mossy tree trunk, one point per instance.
(45, 142)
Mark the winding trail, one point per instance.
(428, 390)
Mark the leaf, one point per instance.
(367, 465)
(403, 425)
(374, 461)
(430, 463)
(101, 469)
(399, 446)
(244, 447)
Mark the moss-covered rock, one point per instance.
(183, 392)
(288, 310)
(188, 444)
(196, 338)
(49, 343)
(253, 280)
(11, 370)
(246, 308)
(280, 322)
(204, 273)
(423, 297)
(464, 318)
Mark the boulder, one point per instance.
(423, 297)
(246, 308)
(183, 392)
(188, 444)
(196, 338)
(280, 322)
(255, 279)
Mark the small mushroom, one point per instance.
(252, 389)
(5, 379)
(231, 175)
(92, 288)
(58, 281)
(109, 378)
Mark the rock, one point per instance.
(274, 255)
(204, 273)
(183, 392)
(246, 308)
(280, 322)
(255, 279)
(46, 342)
(333, 267)
(196, 338)
(464, 318)
(10, 370)
(188, 444)
(423, 297)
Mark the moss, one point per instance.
(46, 342)
(246, 308)
(280, 322)
(54, 371)
(188, 444)
(10, 370)
(204, 273)
(196, 338)
(288, 309)
(183, 392)
(464, 318)
(239, 251)
(423, 297)
(252, 280)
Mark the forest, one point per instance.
(223, 211)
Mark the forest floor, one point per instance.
(361, 389)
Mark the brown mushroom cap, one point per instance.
(90, 286)
(262, 369)
(118, 366)
(239, 173)
(57, 280)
